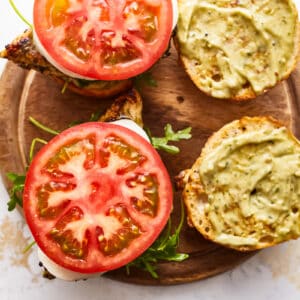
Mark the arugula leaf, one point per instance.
(28, 247)
(42, 127)
(32, 146)
(145, 78)
(13, 5)
(16, 190)
(158, 143)
(164, 248)
(93, 118)
(161, 143)
(65, 86)
(82, 83)
(15, 193)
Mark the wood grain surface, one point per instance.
(176, 101)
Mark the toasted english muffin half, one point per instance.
(237, 49)
(243, 192)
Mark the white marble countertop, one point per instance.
(271, 274)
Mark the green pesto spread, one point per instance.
(238, 43)
(253, 186)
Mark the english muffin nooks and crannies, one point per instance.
(237, 49)
(243, 191)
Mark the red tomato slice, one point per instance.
(96, 197)
(104, 39)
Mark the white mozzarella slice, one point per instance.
(61, 272)
(127, 123)
(53, 62)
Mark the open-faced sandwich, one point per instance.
(95, 48)
(243, 192)
(97, 196)
(237, 49)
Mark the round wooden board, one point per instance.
(176, 101)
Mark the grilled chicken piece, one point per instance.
(128, 105)
(23, 52)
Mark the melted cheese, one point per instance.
(60, 272)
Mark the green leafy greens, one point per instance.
(164, 248)
(32, 146)
(162, 143)
(18, 181)
(19, 13)
(93, 118)
(145, 78)
(16, 191)
(28, 247)
(65, 86)
(43, 127)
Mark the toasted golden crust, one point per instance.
(246, 91)
(197, 194)
(23, 52)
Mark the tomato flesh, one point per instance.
(69, 245)
(123, 236)
(104, 39)
(96, 197)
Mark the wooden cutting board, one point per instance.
(176, 101)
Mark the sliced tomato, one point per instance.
(104, 39)
(96, 197)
